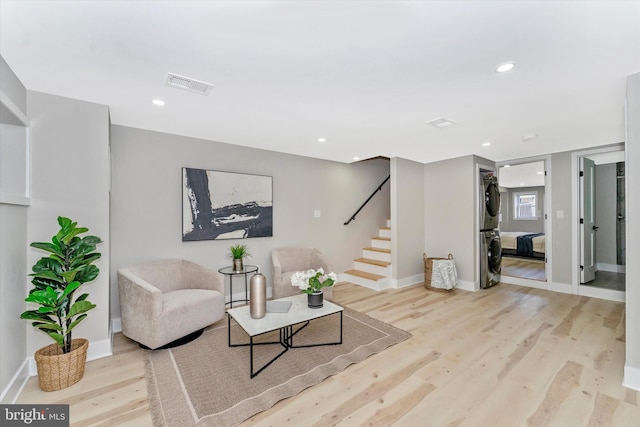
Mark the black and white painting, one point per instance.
(225, 205)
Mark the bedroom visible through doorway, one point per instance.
(522, 220)
(601, 210)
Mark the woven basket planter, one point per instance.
(57, 370)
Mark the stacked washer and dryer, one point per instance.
(490, 247)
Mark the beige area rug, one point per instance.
(206, 383)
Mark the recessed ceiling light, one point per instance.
(441, 122)
(508, 66)
(356, 158)
(522, 183)
(539, 173)
(158, 102)
(507, 166)
(486, 144)
(530, 137)
(322, 140)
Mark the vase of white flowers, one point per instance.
(311, 283)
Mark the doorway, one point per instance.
(523, 220)
(601, 199)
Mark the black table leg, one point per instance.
(286, 335)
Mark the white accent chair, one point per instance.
(286, 261)
(165, 300)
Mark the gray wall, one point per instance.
(450, 213)
(407, 218)
(70, 177)
(505, 210)
(509, 223)
(13, 229)
(605, 194)
(632, 170)
(562, 229)
(13, 288)
(14, 92)
(13, 162)
(146, 202)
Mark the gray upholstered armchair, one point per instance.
(286, 261)
(162, 301)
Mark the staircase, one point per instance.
(374, 269)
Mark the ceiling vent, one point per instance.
(187, 83)
(441, 123)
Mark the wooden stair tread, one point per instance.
(364, 274)
(383, 250)
(388, 239)
(373, 262)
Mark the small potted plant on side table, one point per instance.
(237, 254)
(311, 283)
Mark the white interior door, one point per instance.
(587, 221)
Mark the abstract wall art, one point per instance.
(225, 205)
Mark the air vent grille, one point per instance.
(189, 84)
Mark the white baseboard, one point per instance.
(14, 388)
(612, 268)
(564, 288)
(631, 377)
(99, 349)
(116, 325)
(608, 294)
(96, 350)
(419, 280)
(537, 284)
(466, 285)
(407, 281)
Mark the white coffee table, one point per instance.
(299, 313)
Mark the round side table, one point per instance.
(229, 271)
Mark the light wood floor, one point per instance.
(505, 356)
(524, 268)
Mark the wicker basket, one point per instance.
(57, 370)
(428, 269)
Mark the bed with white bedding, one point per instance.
(523, 244)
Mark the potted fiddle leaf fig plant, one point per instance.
(55, 279)
(237, 253)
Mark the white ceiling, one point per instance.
(608, 157)
(522, 175)
(366, 76)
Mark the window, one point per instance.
(525, 205)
